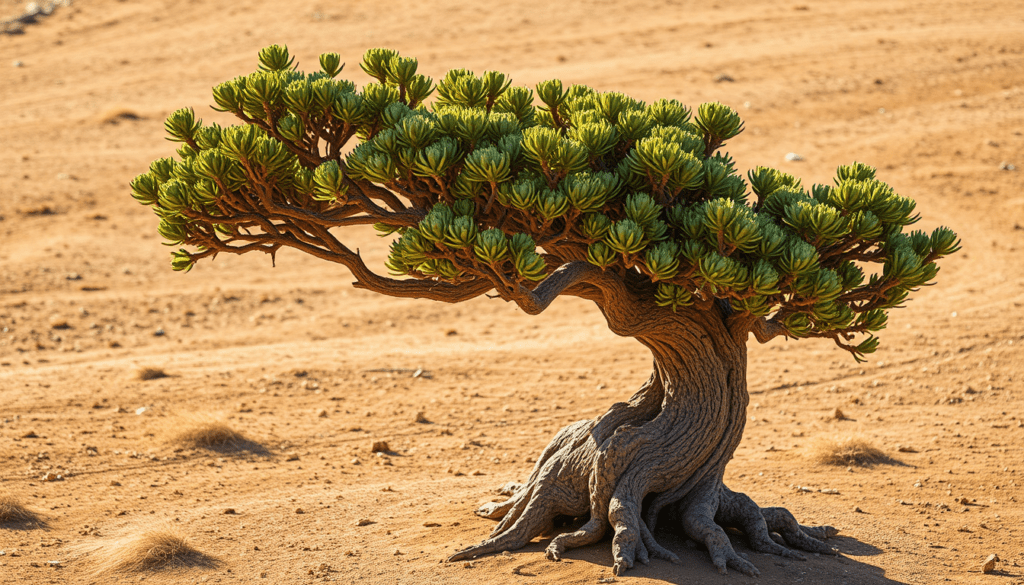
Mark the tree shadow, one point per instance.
(696, 567)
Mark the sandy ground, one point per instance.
(311, 371)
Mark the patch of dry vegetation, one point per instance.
(13, 512)
(197, 432)
(150, 549)
(847, 451)
(150, 374)
(118, 115)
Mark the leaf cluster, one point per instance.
(500, 183)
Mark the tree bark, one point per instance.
(670, 441)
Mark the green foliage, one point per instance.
(507, 182)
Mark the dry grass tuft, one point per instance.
(848, 451)
(198, 432)
(150, 374)
(151, 549)
(118, 115)
(13, 512)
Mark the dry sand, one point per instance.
(310, 371)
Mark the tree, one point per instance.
(589, 194)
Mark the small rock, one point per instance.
(859, 511)
(158, 333)
(322, 413)
(355, 461)
(451, 332)
(140, 410)
(292, 457)
(421, 417)
(905, 449)
(724, 78)
(430, 524)
(477, 472)
(51, 476)
(1005, 166)
(115, 484)
(73, 276)
(364, 522)
(794, 157)
(379, 447)
(606, 580)
(18, 64)
(838, 415)
(398, 552)
(30, 435)
(229, 511)
(468, 565)
(990, 564)
(830, 491)
(299, 511)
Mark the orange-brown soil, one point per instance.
(310, 371)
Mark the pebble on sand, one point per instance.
(990, 564)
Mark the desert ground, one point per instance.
(310, 371)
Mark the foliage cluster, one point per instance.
(502, 184)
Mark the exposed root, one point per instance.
(671, 441)
(808, 538)
(656, 550)
(738, 510)
(768, 530)
(698, 516)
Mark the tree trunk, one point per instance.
(672, 439)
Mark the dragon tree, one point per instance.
(486, 188)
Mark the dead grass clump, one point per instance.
(150, 374)
(13, 512)
(199, 432)
(848, 451)
(149, 550)
(116, 116)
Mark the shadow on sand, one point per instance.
(696, 567)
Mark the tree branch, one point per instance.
(572, 278)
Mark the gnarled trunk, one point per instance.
(673, 438)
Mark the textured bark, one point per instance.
(671, 441)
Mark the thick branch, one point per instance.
(418, 289)
(571, 278)
(765, 330)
